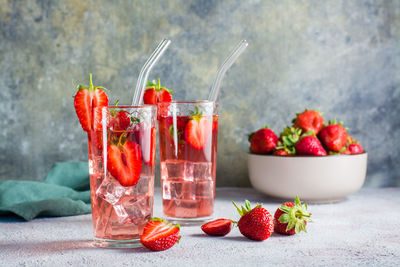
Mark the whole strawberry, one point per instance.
(356, 148)
(155, 93)
(309, 120)
(353, 146)
(334, 136)
(287, 141)
(309, 145)
(291, 218)
(263, 141)
(256, 223)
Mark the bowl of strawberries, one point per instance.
(317, 161)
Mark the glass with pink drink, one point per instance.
(188, 134)
(121, 167)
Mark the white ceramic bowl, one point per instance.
(313, 179)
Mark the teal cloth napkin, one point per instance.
(64, 192)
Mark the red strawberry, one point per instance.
(152, 147)
(310, 145)
(256, 223)
(124, 162)
(218, 227)
(356, 148)
(263, 141)
(179, 128)
(287, 141)
(281, 152)
(215, 124)
(158, 235)
(86, 99)
(120, 120)
(309, 120)
(334, 136)
(291, 218)
(198, 130)
(155, 93)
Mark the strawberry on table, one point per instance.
(219, 227)
(198, 130)
(155, 93)
(263, 141)
(309, 145)
(256, 223)
(334, 136)
(124, 162)
(291, 218)
(85, 100)
(309, 120)
(158, 235)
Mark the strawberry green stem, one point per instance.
(91, 87)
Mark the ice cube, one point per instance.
(110, 190)
(177, 169)
(204, 189)
(135, 210)
(178, 189)
(141, 188)
(202, 170)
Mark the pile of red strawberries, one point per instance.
(309, 135)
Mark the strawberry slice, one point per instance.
(218, 227)
(197, 130)
(124, 162)
(152, 147)
(120, 120)
(86, 99)
(158, 235)
(215, 124)
(155, 93)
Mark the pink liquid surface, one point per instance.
(187, 174)
(118, 212)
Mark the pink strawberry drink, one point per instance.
(121, 168)
(188, 147)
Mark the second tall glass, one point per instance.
(188, 134)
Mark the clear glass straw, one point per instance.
(144, 72)
(233, 56)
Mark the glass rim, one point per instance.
(189, 102)
(144, 106)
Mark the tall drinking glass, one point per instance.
(188, 134)
(121, 168)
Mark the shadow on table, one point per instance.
(223, 238)
(46, 247)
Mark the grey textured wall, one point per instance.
(340, 56)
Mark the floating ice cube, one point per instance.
(110, 190)
(133, 210)
(181, 169)
(202, 170)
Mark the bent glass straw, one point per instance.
(144, 72)
(233, 56)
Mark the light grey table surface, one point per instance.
(362, 230)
